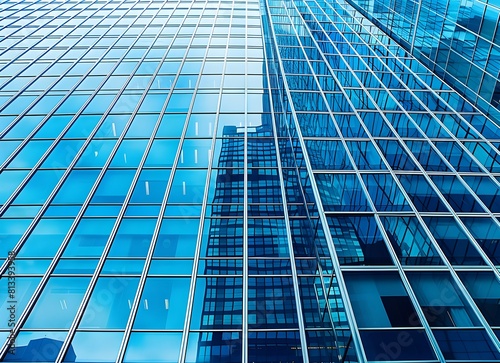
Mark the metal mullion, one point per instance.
(37, 9)
(51, 267)
(44, 37)
(119, 218)
(88, 139)
(244, 342)
(154, 238)
(342, 90)
(298, 304)
(344, 143)
(481, 252)
(455, 277)
(457, 219)
(331, 247)
(66, 173)
(33, 45)
(369, 199)
(194, 275)
(9, 5)
(55, 142)
(13, 123)
(429, 89)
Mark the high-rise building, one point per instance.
(458, 40)
(248, 181)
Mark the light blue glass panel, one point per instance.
(30, 154)
(177, 238)
(96, 153)
(153, 103)
(133, 238)
(129, 153)
(112, 125)
(188, 186)
(114, 186)
(76, 266)
(201, 125)
(72, 104)
(10, 180)
(37, 190)
(6, 148)
(170, 267)
(47, 103)
(98, 105)
(162, 153)
(171, 125)
(23, 127)
(62, 155)
(98, 347)
(156, 343)
(110, 303)
(142, 126)
(19, 297)
(163, 304)
(43, 346)
(81, 127)
(76, 187)
(46, 238)
(58, 303)
(179, 102)
(151, 186)
(195, 153)
(89, 238)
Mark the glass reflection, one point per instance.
(358, 241)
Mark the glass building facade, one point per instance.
(242, 181)
(458, 40)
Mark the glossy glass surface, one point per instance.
(243, 181)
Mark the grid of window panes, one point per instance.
(407, 173)
(171, 195)
(141, 190)
(458, 40)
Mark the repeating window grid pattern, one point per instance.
(326, 297)
(128, 327)
(351, 148)
(61, 354)
(368, 198)
(458, 41)
(54, 144)
(396, 134)
(343, 350)
(88, 199)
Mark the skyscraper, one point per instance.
(241, 181)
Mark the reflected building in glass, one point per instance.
(247, 181)
(458, 41)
